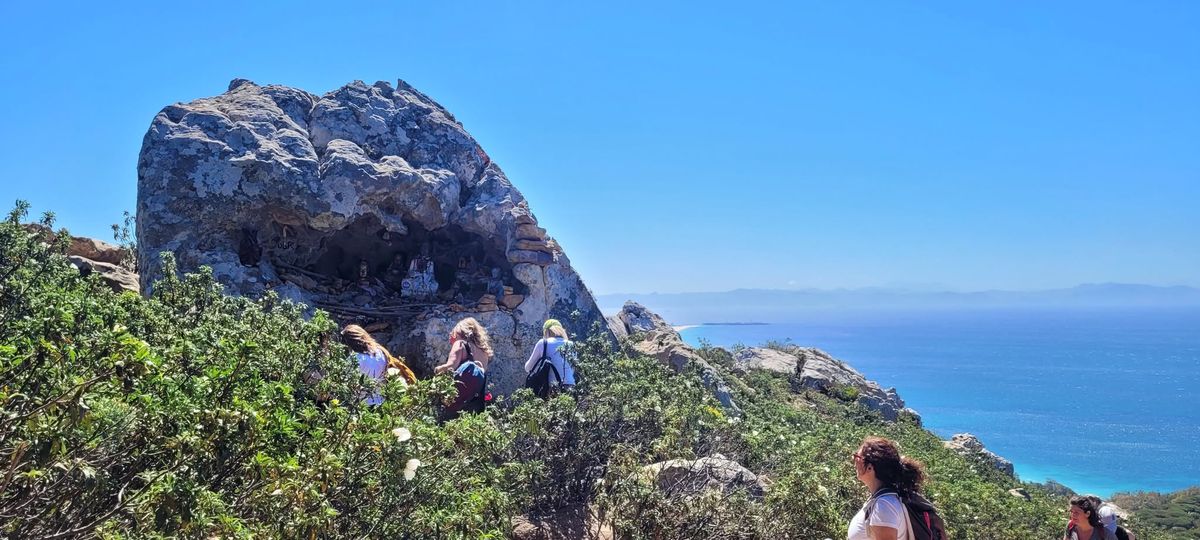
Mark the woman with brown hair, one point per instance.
(895, 483)
(470, 353)
(1085, 521)
(374, 360)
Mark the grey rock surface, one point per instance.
(968, 445)
(650, 335)
(691, 477)
(817, 370)
(116, 277)
(334, 201)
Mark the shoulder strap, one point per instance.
(545, 359)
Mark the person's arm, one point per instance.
(467, 388)
(887, 519)
(452, 359)
(534, 356)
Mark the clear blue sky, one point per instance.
(692, 146)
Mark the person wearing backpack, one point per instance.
(896, 509)
(470, 353)
(1085, 521)
(1109, 518)
(547, 370)
(373, 359)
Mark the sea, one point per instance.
(1101, 401)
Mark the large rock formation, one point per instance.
(969, 446)
(92, 256)
(371, 201)
(650, 335)
(816, 370)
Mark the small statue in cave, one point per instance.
(495, 284)
(420, 283)
(396, 272)
(364, 273)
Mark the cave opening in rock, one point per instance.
(365, 266)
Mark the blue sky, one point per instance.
(697, 146)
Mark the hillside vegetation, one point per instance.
(195, 414)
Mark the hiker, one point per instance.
(1085, 521)
(1109, 518)
(470, 352)
(372, 358)
(896, 510)
(547, 370)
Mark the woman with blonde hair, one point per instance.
(546, 368)
(371, 356)
(470, 353)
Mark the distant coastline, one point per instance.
(735, 324)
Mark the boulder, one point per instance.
(691, 477)
(968, 445)
(350, 195)
(764, 358)
(650, 335)
(82, 246)
(116, 277)
(1020, 493)
(570, 523)
(817, 370)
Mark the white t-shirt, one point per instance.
(556, 359)
(888, 512)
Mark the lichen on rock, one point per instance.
(371, 202)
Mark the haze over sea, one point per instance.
(1102, 400)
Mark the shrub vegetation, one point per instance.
(190, 413)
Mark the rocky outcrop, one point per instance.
(691, 477)
(570, 523)
(817, 370)
(116, 277)
(650, 335)
(969, 446)
(371, 202)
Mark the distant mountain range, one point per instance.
(770, 305)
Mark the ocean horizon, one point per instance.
(1099, 400)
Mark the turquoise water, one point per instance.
(1101, 402)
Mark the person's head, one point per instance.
(878, 458)
(1083, 510)
(1096, 501)
(472, 332)
(359, 340)
(553, 328)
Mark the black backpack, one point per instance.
(922, 515)
(539, 379)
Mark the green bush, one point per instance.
(191, 413)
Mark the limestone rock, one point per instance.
(688, 478)
(1020, 493)
(116, 277)
(327, 198)
(637, 319)
(652, 336)
(764, 358)
(512, 301)
(817, 370)
(968, 445)
(82, 246)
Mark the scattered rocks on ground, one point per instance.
(968, 445)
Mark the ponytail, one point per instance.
(902, 473)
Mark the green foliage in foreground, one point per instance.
(194, 414)
(1177, 513)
